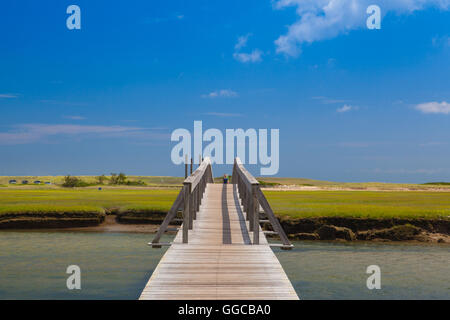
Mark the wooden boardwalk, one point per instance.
(219, 262)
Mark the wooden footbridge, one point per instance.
(220, 251)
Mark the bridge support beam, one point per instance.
(255, 213)
(186, 211)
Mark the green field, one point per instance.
(42, 200)
(360, 204)
(295, 204)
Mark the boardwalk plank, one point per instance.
(219, 262)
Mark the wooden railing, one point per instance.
(252, 198)
(189, 198)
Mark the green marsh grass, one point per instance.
(294, 204)
(84, 199)
(360, 204)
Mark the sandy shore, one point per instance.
(111, 225)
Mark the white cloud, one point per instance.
(441, 41)
(434, 107)
(7, 95)
(346, 108)
(254, 56)
(220, 93)
(325, 19)
(242, 41)
(326, 100)
(31, 133)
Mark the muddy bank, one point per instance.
(51, 220)
(351, 229)
(140, 217)
(326, 228)
(70, 220)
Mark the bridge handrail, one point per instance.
(189, 199)
(252, 197)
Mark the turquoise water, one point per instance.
(326, 270)
(118, 265)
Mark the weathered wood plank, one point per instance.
(206, 268)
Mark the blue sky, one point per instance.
(352, 104)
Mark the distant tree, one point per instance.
(113, 179)
(71, 182)
(101, 179)
(120, 178)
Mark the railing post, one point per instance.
(186, 211)
(198, 195)
(250, 209)
(194, 199)
(255, 207)
(185, 167)
(191, 208)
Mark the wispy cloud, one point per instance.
(326, 100)
(221, 114)
(242, 41)
(224, 93)
(346, 108)
(254, 56)
(74, 117)
(434, 107)
(246, 57)
(441, 41)
(325, 19)
(7, 96)
(32, 133)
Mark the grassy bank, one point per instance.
(303, 213)
(363, 215)
(357, 204)
(292, 204)
(79, 207)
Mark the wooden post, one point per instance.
(192, 163)
(186, 219)
(255, 207)
(185, 166)
(197, 195)
(191, 209)
(250, 210)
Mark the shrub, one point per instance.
(101, 179)
(71, 182)
(120, 178)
